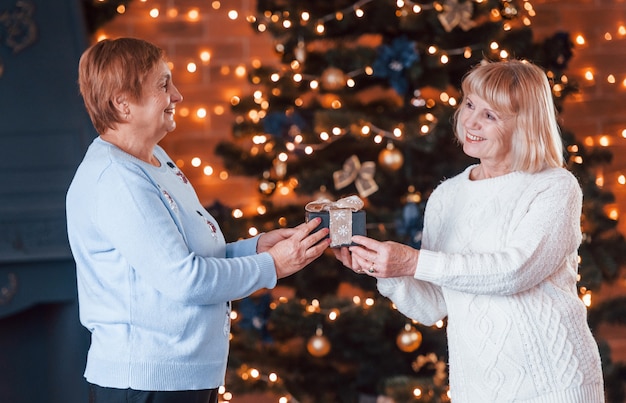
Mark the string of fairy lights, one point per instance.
(199, 113)
(195, 111)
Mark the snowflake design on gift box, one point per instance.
(344, 230)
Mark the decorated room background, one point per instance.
(287, 102)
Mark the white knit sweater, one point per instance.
(499, 259)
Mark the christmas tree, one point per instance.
(360, 102)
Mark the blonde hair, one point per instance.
(520, 90)
(111, 67)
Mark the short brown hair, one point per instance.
(521, 90)
(111, 67)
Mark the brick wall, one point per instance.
(600, 108)
(231, 43)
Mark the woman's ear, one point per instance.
(120, 101)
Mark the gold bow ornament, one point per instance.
(455, 13)
(343, 218)
(361, 174)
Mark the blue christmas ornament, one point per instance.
(254, 313)
(285, 125)
(411, 224)
(393, 60)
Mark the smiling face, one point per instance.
(153, 114)
(487, 134)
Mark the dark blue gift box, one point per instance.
(340, 236)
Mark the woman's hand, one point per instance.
(379, 259)
(293, 253)
(271, 238)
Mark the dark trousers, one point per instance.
(98, 394)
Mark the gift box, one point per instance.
(343, 218)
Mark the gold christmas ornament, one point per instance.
(409, 339)
(333, 79)
(318, 345)
(391, 158)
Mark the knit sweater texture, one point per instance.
(499, 260)
(155, 275)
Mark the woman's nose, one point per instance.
(470, 120)
(176, 95)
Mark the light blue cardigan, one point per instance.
(155, 275)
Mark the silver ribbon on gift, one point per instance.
(340, 217)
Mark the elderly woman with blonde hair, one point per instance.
(499, 252)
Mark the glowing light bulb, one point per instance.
(240, 71)
(205, 56)
(604, 141)
(193, 14)
(201, 113)
(587, 299)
